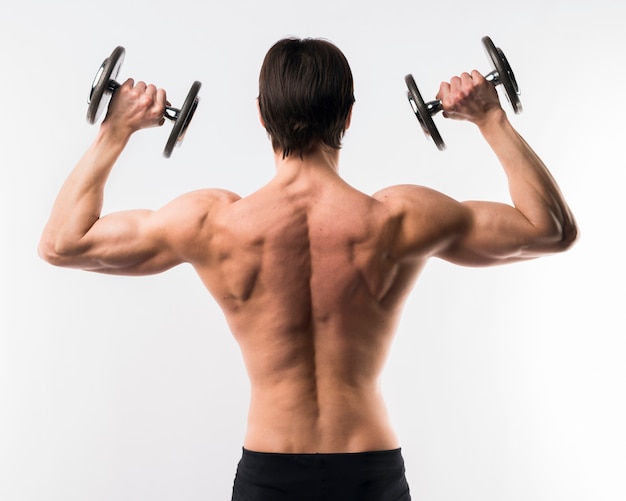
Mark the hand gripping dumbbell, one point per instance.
(502, 74)
(104, 85)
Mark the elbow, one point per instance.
(48, 252)
(561, 236)
(568, 233)
(569, 236)
(54, 252)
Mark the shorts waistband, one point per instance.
(385, 452)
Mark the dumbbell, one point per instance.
(502, 74)
(104, 85)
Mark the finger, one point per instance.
(455, 93)
(159, 102)
(477, 76)
(444, 90)
(455, 84)
(161, 98)
(129, 83)
(466, 80)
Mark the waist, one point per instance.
(333, 438)
(390, 457)
(318, 429)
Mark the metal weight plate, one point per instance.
(183, 119)
(505, 73)
(423, 113)
(101, 90)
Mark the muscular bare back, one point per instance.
(305, 272)
(311, 274)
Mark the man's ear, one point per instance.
(349, 120)
(258, 109)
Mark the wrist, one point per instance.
(493, 121)
(106, 148)
(113, 135)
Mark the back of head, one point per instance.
(306, 93)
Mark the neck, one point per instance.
(318, 159)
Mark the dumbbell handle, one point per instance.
(170, 112)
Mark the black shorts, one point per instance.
(363, 476)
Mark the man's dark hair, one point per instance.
(306, 93)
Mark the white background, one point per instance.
(504, 383)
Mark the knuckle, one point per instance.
(145, 100)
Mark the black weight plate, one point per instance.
(183, 119)
(423, 114)
(100, 94)
(505, 73)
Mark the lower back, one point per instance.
(300, 417)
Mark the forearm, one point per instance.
(79, 202)
(533, 190)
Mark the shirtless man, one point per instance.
(311, 273)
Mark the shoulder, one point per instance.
(198, 204)
(189, 217)
(410, 198)
(206, 198)
(428, 218)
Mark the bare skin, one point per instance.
(311, 273)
